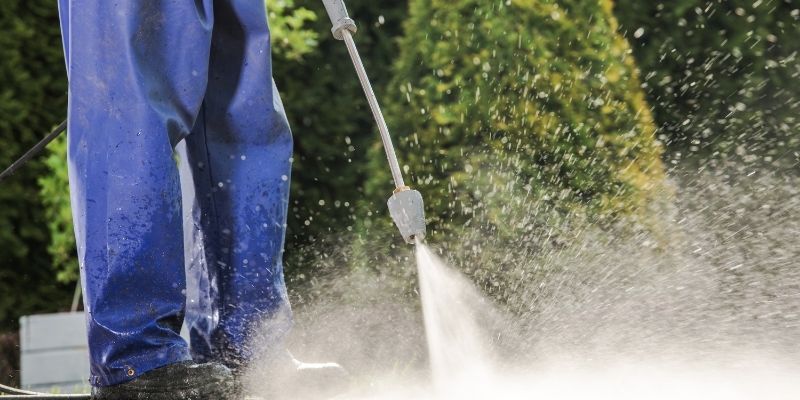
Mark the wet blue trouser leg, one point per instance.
(144, 75)
(239, 154)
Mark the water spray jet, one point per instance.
(405, 205)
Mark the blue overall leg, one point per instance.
(240, 157)
(137, 77)
(139, 74)
(143, 75)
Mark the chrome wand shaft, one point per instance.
(376, 109)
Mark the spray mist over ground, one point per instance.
(707, 308)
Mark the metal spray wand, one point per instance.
(405, 206)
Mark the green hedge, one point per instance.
(504, 106)
(722, 75)
(32, 102)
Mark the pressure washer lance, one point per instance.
(405, 206)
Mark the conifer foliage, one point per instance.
(497, 103)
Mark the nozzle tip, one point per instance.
(408, 212)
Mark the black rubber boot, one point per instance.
(182, 381)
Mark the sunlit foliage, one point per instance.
(291, 38)
(495, 104)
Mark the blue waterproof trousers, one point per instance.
(144, 76)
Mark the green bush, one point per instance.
(55, 197)
(722, 75)
(32, 102)
(497, 106)
(291, 38)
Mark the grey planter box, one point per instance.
(54, 354)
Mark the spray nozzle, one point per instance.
(408, 212)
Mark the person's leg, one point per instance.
(241, 161)
(137, 77)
